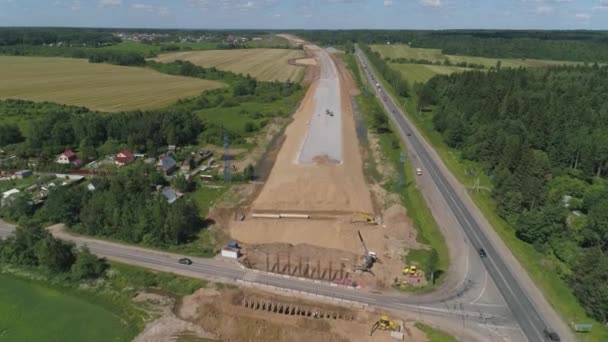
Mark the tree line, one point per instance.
(34, 247)
(70, 36)
(584, 46)
(542, 136)
(445, 62)
(393, 77)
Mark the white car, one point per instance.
(419, 171)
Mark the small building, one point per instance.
(171, 195)
(124, 158)
(232, 253)
(167, 164)
(171, 148)
(187, 165)
(23, 174)
(68, 157)
(6, 196)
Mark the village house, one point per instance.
(171, 194)
(167, 164)
(68, 157)
(124, 158)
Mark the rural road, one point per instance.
(490, 321)
(532, 315)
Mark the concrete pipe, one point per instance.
(270, 216)
(295, 216)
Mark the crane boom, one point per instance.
(363, 242)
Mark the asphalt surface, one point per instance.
(522, 308)
(324, 133)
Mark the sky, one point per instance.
(309, 14)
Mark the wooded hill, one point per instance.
(542, 135)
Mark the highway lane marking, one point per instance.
(485, 284)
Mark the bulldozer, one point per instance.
(365, 218)
(384, 323)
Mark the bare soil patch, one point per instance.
(225, 315)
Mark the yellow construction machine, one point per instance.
(384, 323)
(410, 270)
(365, 218)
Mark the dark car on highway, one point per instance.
(185, 261)
(551, 335)
(482, 253)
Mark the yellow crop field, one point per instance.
(405, 51)
(263, 64)
(102, 87)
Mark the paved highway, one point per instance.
(525, 312)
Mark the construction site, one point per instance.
(316, 215)
(230, 314)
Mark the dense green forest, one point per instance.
(542, 135)
(584, 46)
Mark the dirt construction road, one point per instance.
(319, 168)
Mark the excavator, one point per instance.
(363, 217)
(384, 323)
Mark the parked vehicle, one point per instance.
(419, 171)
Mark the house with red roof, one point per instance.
(124, 158)
(68, 157)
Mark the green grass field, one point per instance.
(32, 312)
(435, 335)
(404, 51)
(422, 72)
(263, 64)
(102, 87)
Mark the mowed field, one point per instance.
(31, 312)
(263, 64)
(102, 87)
(422, 72)
(404, 51)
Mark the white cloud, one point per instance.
(109, 3)
(432, 3)
(544, 10)
(231, 4)
(603, 7)
(549, 1)
(388, 3)
(277, 15)
(160, 10)
(583, 16)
